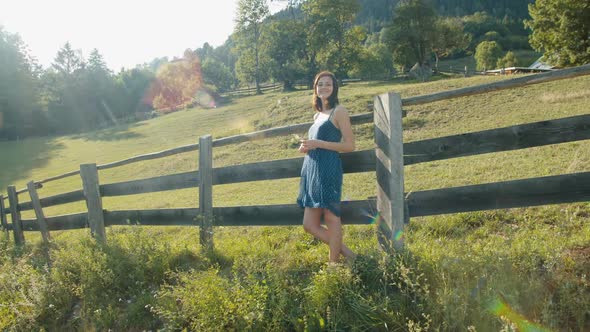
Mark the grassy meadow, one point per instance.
(521, 269)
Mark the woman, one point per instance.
(321, 176)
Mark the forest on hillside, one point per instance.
(367, 39)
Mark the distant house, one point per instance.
(539, 64)
(537, 67)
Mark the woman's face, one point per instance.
(324, 87)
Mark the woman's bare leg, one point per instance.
(337, 247)
(312, 225)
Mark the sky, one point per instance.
(125, 32)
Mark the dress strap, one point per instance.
(333, 109)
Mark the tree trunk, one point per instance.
(257, 74)
(436, 62)
(287, 86)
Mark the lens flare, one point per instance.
(373, 218)
(178, 84)
(500, 308)
(398, 235)
(204, 99)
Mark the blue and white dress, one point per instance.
(321, 174)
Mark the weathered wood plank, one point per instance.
(39, 212)
(507, 84)
(150, 156)
(64, 198)
(206, 191)
(38, 185)
(390, 169)
(353, 162)
(353, 212)
(284, 130)
(360, 212)
(3, 220)
(159, 183)
(267, 133)
(19, 237)
(501, 195)
(501, 139)
(60, 223)
(162, 217)
(89, 174)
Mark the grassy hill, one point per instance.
(490, 270)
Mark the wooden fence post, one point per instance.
(206, 191)
(390, 170)
(17, 227)
(3, 220)
(89, 174)
(39, 212)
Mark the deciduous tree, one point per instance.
(249, 18)
(561, 30)
(487, 54)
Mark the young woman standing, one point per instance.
(321, 175)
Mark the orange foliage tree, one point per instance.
(177, 82)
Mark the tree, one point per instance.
(487, 54)
(412, 34)
(18, 86)
(284, 43)
(249, 18)
(132, 90)
(561, 30)
(328, 22)
(177, 82)
(374, 61)
(66, 92)
(67, 60)
(449, 37)
(217, 74)
(509, 60)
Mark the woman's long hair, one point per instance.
(332, 100)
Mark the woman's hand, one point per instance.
(302, 149)
(311, 144)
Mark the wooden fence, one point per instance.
(252, 90)
(393, 205)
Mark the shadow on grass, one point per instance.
(20, 158)
(413, 123)
(117, 133)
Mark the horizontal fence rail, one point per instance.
(361, 212)
(557, 189)
(495, 140)
(159, 183)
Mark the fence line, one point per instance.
(556, 189)
(393, 205)
(353, 213)
(249, 91)
(468, 144)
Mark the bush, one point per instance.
(509, 60)
(486, 54)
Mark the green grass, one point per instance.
(535, 260)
